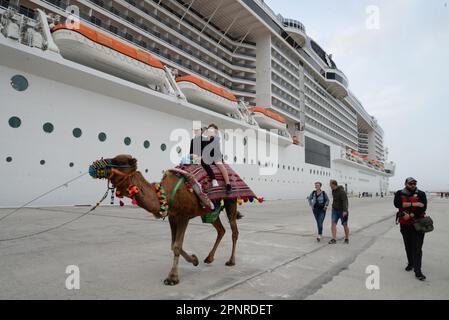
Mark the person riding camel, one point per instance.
(212, 154)
(197, 145)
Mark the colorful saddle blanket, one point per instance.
(239, 188)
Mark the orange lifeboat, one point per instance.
(268, 119)
(205, 94)
(89, 47)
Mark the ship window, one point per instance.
(14, 122)
(163, 147)
(102, 136)
(146, 170)
(235, 159)
(20, 83)
(179, 150)
(42, 162)
(77, 132)
(146, 144)
(8, 159)
(71, 164)
(48, 127)
(127, 141)
(245, 141)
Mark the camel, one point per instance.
(122, 173)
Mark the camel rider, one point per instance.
(197, 145)
(213, 155)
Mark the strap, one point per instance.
(178, 184)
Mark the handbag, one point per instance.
(423, 225)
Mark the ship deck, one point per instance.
(124, 254)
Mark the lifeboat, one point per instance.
(207, 95)
(99, 51)
(268, 119)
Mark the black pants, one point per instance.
(208, 169)
(413, 241)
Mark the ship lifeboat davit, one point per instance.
(99, 51)
(268, 119)
(207, 95)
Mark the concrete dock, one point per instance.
(122, 253)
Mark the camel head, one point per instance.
(117, 170)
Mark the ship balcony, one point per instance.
(337, 83)
(296, 30)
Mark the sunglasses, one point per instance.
(412, 183)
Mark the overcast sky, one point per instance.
(400, 72)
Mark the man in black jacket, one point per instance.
(339, 211)
(412, 205)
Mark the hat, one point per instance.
(410, 179)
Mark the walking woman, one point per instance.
(318, 201)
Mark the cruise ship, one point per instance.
(81, 80)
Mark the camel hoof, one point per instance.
(208, 260)
(195, 260)
(230, 263)
(171, 281)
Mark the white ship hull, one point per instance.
(69, 96)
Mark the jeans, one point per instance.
(338, 215)
(319, 214)
(413, 241)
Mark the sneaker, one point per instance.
(332, 241)
(228, 189)
(215, 183)
(346, 241)
(420, 277)
(408, 268)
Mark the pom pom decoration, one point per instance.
(133, 190)
(160, 193)
(121, 203)
(260, 200)
(134, 202)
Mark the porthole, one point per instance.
(102, 136)
(178, 150)
(146, 170)
(163, 147)
(71, 164)
(77, 132)
(42, 162)
(48, 127)
(283, 167)
(8, 159)
(245, 140)
(258, 163)
(235, 159)
(127, 141)
(146, 144)
(244, 160)
(14, 122)
(19, 83)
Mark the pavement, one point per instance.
(122, 253)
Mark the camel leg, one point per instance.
(181, 225)
(220, 233)
(193, 259)
(231, 211)
(171, 220)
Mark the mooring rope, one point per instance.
(59, 225)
